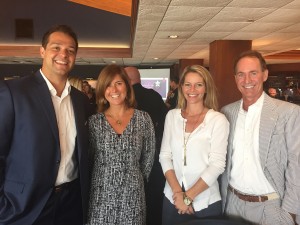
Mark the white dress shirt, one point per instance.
(64, 112)
(205, 155)
(246, 174)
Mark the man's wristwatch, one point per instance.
(187, 200)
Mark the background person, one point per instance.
(272, 92)
(122, 152)
(193, 150)
(44, 143)
(90, 93)
(76, 82)
(172, 97)
(261, 184)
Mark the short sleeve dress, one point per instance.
(119, 166)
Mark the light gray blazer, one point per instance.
(279, 149)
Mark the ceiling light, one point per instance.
(155, 58)
(173, 36)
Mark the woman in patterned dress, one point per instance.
(122, 145)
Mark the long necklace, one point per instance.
(186, 139)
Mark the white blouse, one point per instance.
(205, 154)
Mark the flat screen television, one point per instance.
(156, 79)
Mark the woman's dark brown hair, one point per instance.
(105, 78)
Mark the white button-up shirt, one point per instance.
(64, 112)
(246, 174)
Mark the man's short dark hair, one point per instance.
(60, 28)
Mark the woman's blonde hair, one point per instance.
(105, 78)
(210, 97)
(76, 82)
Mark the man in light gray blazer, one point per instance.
(261, 183)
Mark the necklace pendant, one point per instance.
(184, 161)
(119, 122)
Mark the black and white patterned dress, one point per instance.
(120, 163)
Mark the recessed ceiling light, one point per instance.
(173, 36)
(155, 58)
(113, 61)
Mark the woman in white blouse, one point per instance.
(193, 150)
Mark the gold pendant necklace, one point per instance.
(186, 139)
(118, 121)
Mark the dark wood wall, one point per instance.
(9, 70)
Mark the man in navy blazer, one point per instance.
(43, 140)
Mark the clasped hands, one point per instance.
(180, 205)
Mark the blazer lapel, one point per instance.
(77, 107)
(268, 121)
(43, 95)
(233, 117)
(231, 113)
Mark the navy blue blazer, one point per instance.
(30, 149)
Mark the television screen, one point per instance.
(156, 79)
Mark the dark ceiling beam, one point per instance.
(89, 52)
(20, 51)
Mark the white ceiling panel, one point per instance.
(223, 26)
(155, 2)
(144, 36)
(180, 34)
(265, 27)
(232, 14)
(210, 36)
(259, 3)
(287, 45)
(245, 35)
(295, 28)
(148, 25)
(190, 13)
(277, 37)
(179, 25)
(172, 42)
(201, 54)
(151, 13)
(283, 16)
(293, 5)
(200, 3)
(196, 41)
